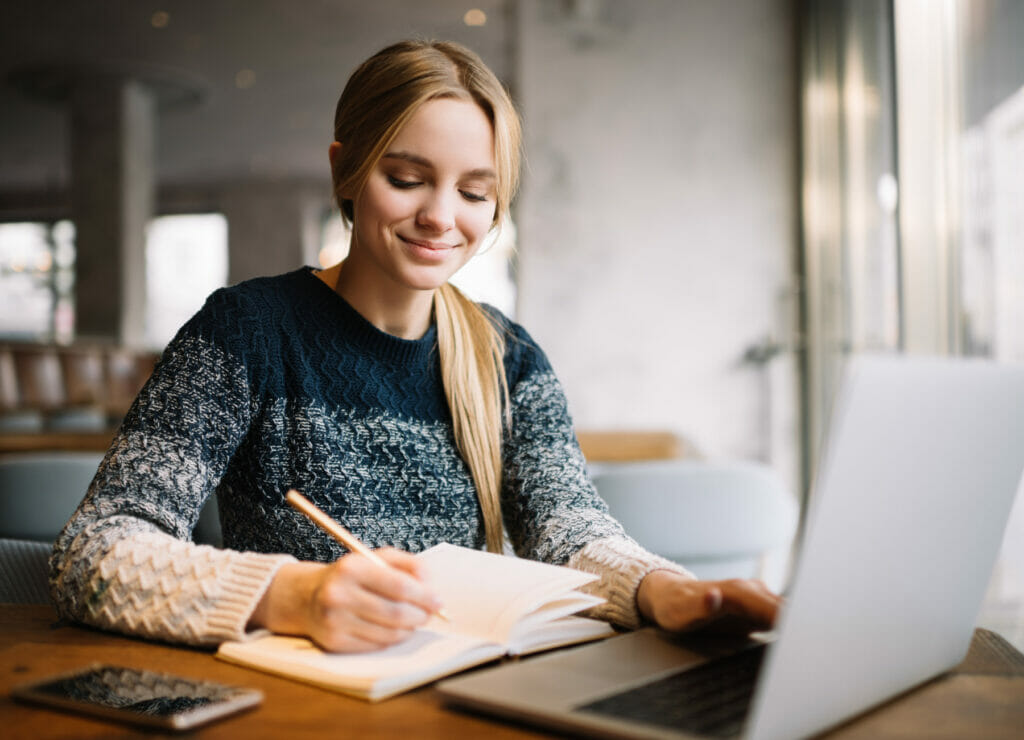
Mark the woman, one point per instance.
(407, 412)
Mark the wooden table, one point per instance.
(49, 441)
(983, 698)
(597, 446)
(34, 645)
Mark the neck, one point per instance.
(403, 313)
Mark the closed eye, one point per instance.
(402, 184)
(474, 197)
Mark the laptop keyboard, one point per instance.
(710, 699)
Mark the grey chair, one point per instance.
(23, 572)
(207, 530)
(732, 519)
(40, 490)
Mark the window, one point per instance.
(186, 260)
(37, 262)
(992, 224)
(951, 279)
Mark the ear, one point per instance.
(334, 151)
(334, 155)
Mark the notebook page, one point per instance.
(425, 655)
(485, 594)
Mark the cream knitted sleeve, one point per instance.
(153, 585)
(622, 564)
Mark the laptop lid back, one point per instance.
(924, 458)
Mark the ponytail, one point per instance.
(473, 373)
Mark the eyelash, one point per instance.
(402, 184)
(410, 184)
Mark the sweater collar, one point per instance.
(360, 331)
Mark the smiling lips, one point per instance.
(428, 245)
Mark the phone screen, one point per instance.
(140, 696)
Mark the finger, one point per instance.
(713, 601)
(393, 584)
(358, 636)
(348, 612)
(405, 561)
(425, 596)
(750, 599)
(375, 633)
(705, 606)
(372, 608)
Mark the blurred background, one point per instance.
(721, 201)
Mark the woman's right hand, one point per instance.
(350, 605)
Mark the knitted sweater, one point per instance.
(278, 383)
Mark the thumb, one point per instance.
(713, 601)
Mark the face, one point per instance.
(430, 200)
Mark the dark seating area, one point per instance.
(55, 397)
(59, 408)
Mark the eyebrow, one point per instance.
(424, 162)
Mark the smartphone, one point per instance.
(139, 696)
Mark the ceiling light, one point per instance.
(244, 79)
(160, 19)
(474, 17)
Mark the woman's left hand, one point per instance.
(676, 603)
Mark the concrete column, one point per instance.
(113, 132)
(268, 224)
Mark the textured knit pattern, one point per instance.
(278, 383)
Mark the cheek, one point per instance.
(385, 205)
(478, 223)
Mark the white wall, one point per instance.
(657, 219)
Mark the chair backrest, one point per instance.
(40, 491)
(127, 372)
(84, 376)
(720, 519)
(23, 572)
(10, 396)
(40, 378)
(208, 530)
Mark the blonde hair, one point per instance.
(380, 97)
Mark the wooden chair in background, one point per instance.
(40, 378)
(127, 371)
(83, 378)
(9, 396)
(15, 418)
(56, 397)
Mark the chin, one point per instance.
(426, 279)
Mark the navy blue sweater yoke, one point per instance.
(278, 383)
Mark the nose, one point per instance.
(437, 213)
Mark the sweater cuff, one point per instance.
(246, 579)
(156, 586)
(621, 564)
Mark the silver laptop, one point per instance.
(906, 517)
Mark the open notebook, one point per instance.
(497, 605)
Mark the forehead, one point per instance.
(449, 133)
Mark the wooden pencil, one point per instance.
(338, 532)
